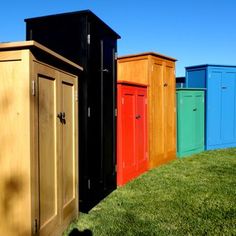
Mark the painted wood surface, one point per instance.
(35, 166)
(158, 73)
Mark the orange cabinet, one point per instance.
(131, 132)
(157, 72)
(38, 140)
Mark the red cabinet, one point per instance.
(132, 157)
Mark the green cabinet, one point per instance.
(190, 121)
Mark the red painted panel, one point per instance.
(141, 131)
(131, 132)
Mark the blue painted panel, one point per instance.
(213, 109)
(228, 108)
(196, 78)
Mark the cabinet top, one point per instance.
(39, 48)
(70, 16)
(208, 65)
(148, 54)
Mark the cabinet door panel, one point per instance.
(48, 156)
(228, 105)
(69, 155)
(156, 116)
(128, 128)
(169, 108)
(199, 120)
(214, 109)
(188, 120)
(141, 131)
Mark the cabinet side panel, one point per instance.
(15, 146)
(196, 78)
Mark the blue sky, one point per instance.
(192, 31)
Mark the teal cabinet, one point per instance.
(190, 121)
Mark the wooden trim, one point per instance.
(34, 44)
(132, 83)
(147, 54)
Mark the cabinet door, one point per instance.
(228, 87)
(48, 151)
(56, 173)
(169, 113)
(141, 130)
(127, 132)
(213, 115)
(199, 120)
(68, 138)
(187, 121)
(156, 115)
(108, 77)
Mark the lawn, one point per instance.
(190, 196)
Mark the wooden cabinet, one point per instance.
(131, 132)
(85, 39)
(220, 113)
(38, 137)
(157, 72)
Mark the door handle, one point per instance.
(62, 117)
(165, 84)
(194, 109)
(105, 70)
(138, 116)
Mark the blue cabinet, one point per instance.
(220, 84)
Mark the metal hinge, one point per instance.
(116, 112)
(88, 38)
(33, 87)
(116, 56)
(35, 226)
(76, 95)
(89, 112)
(89, 186)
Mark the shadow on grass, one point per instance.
(76, 232)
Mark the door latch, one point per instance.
(62, 117)
(138, 116)
(105, 70)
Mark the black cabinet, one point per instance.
(85, 39)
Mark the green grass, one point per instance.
(191, 196)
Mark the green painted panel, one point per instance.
(190, 122)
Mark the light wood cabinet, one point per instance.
(157, 72)
(38, 139)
